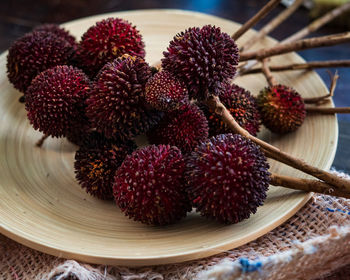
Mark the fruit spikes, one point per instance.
(283, 110)
(165, 93)
(34, 53)
(96, 162)
(106, 40)
(203, 58)
(148, 187)
(116, 106)
(55, 101)
(184, 128)
(242, 106)
(227, 178)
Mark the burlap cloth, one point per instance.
(313, 244)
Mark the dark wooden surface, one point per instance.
(20, 16)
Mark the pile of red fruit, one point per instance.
(100, 93)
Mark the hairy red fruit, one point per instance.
(184, 128)
(227, 178)
(55, 101)
(96, 162)
(203, 58)
(106, 40)
(149, 188)
(282, 109)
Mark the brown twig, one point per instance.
(41, 140)
(315, 25)
(307, 185)
(272, 25)
(258, 16)
(342, 184)
(317, 100)
(323, 110)
(316, 42)
(318, 23)
(302, 66)
(266, 70)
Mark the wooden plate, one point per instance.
(42, 206)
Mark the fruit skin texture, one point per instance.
(55, 101)
(107, 40)
(242, 106)
(96, 162)
(116, 106)
(165, 93)
(184, 128)
(282, 109)
(227, 178)
(34, 53)
(203, 58)
(148, 186)
(58, 31)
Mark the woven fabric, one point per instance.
(314, 243)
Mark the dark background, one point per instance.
(19, 16)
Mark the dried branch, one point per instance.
(318, 23)
(317, 100)
(269, 77)
(41, 140)
(272, 25)
(258, 16)
(326, 110)
(342, 184)
(316, 42)
(307, 185)
(302, 66)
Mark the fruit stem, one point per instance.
(320, 99)
(282, 48)
(303, 66)
(215, 105)
(307, 185)
(312, 27)
(318, 23)
(323, 110)
(271, 25)
(41, 140)
(258, 16)
(268, 75)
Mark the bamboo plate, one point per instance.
(42, 206)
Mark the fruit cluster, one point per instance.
(100, 94)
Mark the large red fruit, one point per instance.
(282, 109)
(55, 101)
(227, 178)
(149, 187)
(106, 40)
(203, 58)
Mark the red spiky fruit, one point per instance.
(107, 40)
(55, 100)
(34, 53)
(58, 31)
(96, 162)
(116, 106)
(184, 128)
(165, 92)
(242, 106)
(282, 109)
(227, 178)
(148, 186)
(203, 58)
